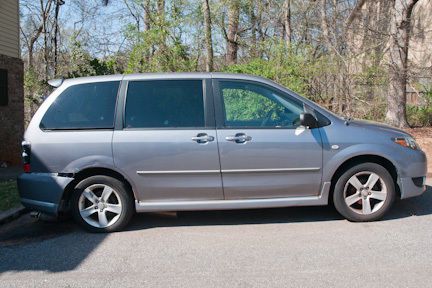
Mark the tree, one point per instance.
(37, 29)
(208, 35)
(349, 55)
(287, 22)
(147, 11)
(398, 62)
(233, 29)
(56, 33)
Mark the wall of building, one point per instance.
(11, 112)
(9, 28)
(12, 115)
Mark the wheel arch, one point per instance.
(88, 172)
(365, 158)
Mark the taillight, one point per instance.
(26, 152)
(26, 168)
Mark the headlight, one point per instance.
(408, 142)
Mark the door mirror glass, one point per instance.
(308, 120)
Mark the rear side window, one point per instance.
(164, 104)
(84, 106)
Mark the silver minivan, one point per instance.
(105, 147)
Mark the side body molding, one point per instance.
(152, 206)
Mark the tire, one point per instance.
(102, 204)
(351, 197)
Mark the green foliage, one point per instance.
(9, 195)
(282, 65)
(421, 115)
(33, 87)
(371, 76)
(241, 105)
(154, 53)
(82, 64)
(375, 112)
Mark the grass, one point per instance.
(9, 197)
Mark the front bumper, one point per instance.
(42, 191)
(409, 189)
(413, 169)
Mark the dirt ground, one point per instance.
(423, 137)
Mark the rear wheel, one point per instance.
(102, 204)
(364, 192)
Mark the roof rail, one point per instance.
(55, 82)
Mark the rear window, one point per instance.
(164, 104)
(84, 106)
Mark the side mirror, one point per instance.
(308, 120)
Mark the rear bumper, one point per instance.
(42, 191)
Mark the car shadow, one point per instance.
(417, 206)
(30, 245)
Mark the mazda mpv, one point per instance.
(105, 147)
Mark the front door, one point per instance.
(168, 144)
(264, 152)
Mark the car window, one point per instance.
(164, 104)
(83, 106)
(252, 105)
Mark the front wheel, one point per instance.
(102, 204)
(364, 192)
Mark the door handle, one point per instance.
(203, 138)
(239, 138)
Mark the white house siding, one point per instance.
(9, 28)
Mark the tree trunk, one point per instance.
(325, 26)
(32, 42)
(232, 35)
(161, 21)
(56, 32)
(287, 22)
(147, 8)
(208, 35)
(45, 15)
(398, 62)
(253, 19)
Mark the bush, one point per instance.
(281, 64)
(419, 115)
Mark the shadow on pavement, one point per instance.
(417, 206)
(402, 208)
(24, 245)
(27, 244)
(235, 217)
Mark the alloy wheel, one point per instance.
(365, 192)
(100, 205)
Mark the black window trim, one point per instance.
(209, 118)
(72, 129)
(220, 109)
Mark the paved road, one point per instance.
(307, 247)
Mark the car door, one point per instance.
(264, 152)
(167, 144)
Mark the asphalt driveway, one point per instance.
(307, 247)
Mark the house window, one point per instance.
(3, 87)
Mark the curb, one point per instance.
(11, 214)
